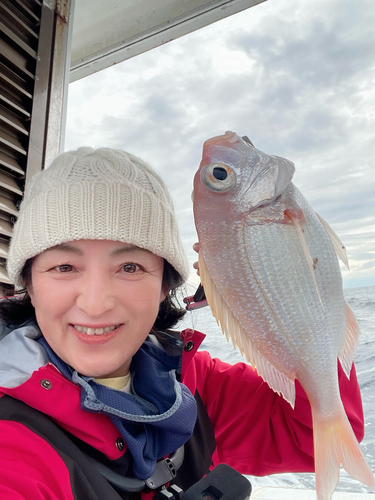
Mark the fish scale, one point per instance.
(251, 295)
(269, 269)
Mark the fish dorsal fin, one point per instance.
(336, 242)
(349, 348)
(233, 330)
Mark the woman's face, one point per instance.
(96, 301)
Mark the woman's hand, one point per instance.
(197, 300)
(196, 248)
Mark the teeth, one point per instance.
(95, 331)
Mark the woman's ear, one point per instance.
(30, 294)
(163, 293)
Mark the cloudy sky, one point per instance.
(296, 77)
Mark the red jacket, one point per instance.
(257, 432)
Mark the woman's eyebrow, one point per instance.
(64, 247)
(127, 249)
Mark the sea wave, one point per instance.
(361, 298)
(358, 303)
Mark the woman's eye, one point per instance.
(64, 268)
(130, 268)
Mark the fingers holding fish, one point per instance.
(196, 248)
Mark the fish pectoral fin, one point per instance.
(233, 330)
(296, 220)
(349, 348)
(336, 242)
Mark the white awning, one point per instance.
(106, 32)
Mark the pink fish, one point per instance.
(271, 275)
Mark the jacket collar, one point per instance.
(192, 340)
(155, 419)
(21, 355)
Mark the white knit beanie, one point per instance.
(101, 194)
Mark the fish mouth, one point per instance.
(95, 331)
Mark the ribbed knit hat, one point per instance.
(101, 194)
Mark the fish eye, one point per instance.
(218, 177)
(219, 173)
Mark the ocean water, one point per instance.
(362, 301)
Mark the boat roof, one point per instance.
(106, 32)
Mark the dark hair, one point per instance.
(18, 308)
(170, 311)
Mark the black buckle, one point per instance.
(166, 469)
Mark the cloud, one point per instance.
(293, 76)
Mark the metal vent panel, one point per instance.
(20, 29)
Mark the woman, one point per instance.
(96, 388)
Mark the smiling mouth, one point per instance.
(95, 331)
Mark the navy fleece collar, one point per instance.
(156, 419)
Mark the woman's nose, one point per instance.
(96, 295)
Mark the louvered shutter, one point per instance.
(28, 30)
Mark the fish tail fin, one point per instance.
(334, 444)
